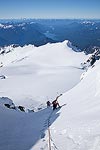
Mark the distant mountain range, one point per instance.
(82, 33)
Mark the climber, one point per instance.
(48, 103)
(55, 103)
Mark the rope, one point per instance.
(49, 139)
(48, 124)
(49, 134)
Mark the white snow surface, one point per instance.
(35, 75)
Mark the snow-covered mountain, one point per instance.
(30, 70)
(34, 75)
(81, 33)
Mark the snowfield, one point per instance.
(34, 75)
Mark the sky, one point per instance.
(49, 9)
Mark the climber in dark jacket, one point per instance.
(48, 103)
(55, 103)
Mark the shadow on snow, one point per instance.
(21, 131)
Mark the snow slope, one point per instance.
(78, 125)
(19, 130)
(37, 74)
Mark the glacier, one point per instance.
(37, 74)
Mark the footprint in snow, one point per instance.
(63, 132)
(42, 135)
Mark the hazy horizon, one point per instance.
(49, 18)
(50, 9)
